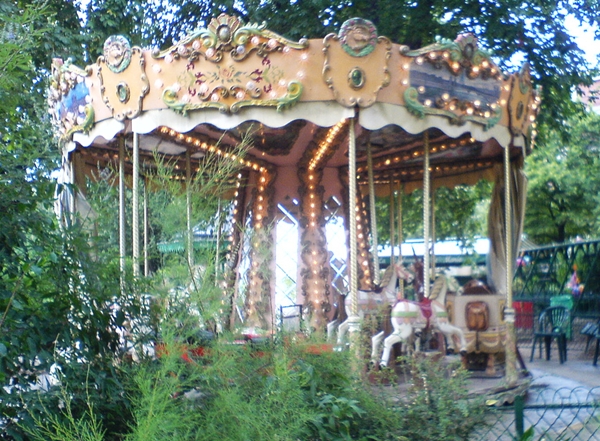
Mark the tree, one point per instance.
(54, 296)
(61, 306)
(564, 183)
(104, 18)
(458, 214)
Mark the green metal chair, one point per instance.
(553, 325)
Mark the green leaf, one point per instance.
(17, 305)
(36, 270)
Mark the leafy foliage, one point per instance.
(563, 183)
(51, 427)
(438, 405)
(460, 213)
(277, 391)
(54, 295)
(111, 17)
(336, 418)
(14, 64)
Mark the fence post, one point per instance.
(519, 415)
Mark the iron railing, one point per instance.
(555, 414)
(544, 272)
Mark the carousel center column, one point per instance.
(259, 304)
(314, 264)
(314, 272)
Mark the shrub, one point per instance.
(438, 405)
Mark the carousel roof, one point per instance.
(295, 101)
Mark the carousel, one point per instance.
(332, 123)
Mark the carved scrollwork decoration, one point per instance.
(523, 102)
(117, 53)
(224, 84)
(350, 85)
(124, 98)
(227, 34)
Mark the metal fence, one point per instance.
(555, 414)
(546, 270)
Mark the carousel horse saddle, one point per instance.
(426, 308)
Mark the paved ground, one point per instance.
(578, 368)
(576, 372)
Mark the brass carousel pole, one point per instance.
(188, 203)
(122, 250)
(135, 208)
(426, 215)
(352, 213)
(392, 220)
(433, 233)
(375, 251)
(509, 312)
(146, 233)
(218, 239)
(400, 236)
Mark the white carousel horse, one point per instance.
(370, 301)
(409, 318)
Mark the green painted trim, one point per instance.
(169, 97)
(405, 314)
(415, 107)
(294, 91)
(455, 51)
(87, 125)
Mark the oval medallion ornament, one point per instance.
(520, 109)
(224, 34)
(123, 92)
(356, 78)
(469, 51)
(117, 53)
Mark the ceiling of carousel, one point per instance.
(396, 154)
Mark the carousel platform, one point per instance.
(577, 372)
